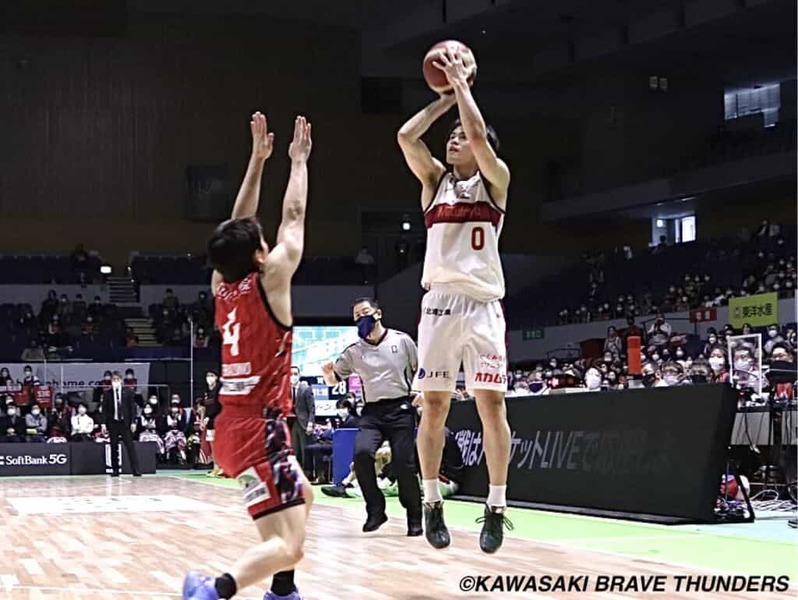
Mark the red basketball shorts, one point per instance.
(257, 452)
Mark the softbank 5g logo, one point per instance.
(26, 460)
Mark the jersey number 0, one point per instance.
(477, 238)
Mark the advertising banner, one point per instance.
(648, 451)
(758, 310)
(66, 376)
(35, 459)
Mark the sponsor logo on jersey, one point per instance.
(438, 312)
(253, 488)
(422, 373)
(434, 374)
(236, 369)
(491, 377)
(491, 361)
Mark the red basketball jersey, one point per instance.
(256, 351)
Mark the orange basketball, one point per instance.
(436, 79)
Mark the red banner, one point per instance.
(702, 315)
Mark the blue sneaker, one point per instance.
(199, 587)
(270, 595)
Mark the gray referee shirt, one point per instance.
(386, 367)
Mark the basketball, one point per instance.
(435, 78)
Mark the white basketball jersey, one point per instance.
(463, 228)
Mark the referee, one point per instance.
(386, 362)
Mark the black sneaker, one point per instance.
(374, 522)
(414, 528)
(334, 491)
(437, 534)
(492, 535)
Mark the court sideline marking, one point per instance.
(563, 545)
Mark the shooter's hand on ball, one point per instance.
(451, 63)
(262, 139)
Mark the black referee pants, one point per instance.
(393, 420)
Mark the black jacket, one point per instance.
(128, 408)
(304, 404)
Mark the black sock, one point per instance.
(226, 586)
(283, 583)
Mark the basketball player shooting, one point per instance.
(461, 315)
(251, 284)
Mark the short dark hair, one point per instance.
(493, 139)
(371, 302)
(232, 246)
(298, 370)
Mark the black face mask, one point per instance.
(699, 379)
(648, 380)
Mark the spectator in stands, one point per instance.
(35, 425)
(365, 261)
(147, 429)
(660, 331)
(28, 378)
(774, 337)
(49, 307)
(34, 352)
(177, 426)
(700, 372)
(60, 416)
(712, 341)
(82, 424)
(201, 338)
(612, 344)
(747, 329)
(170, 301)
(5, 378)
(719, 365)
(12, 425)
(57, 436)
(96, 310)
(153, 403)
(593, 379)
(650, 375)
(672, 374)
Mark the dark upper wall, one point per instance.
(97, 133)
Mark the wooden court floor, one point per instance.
(93, 538)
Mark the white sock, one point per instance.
(432, 491)
(497, 496)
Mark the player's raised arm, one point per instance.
(287, 253)
(493, 169)
(246, 204)
(417, 155)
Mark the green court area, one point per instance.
(765, 547)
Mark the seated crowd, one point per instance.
(722, 270)
(62, 327)
(669, 358)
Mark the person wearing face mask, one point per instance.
(119, 414)
(612, 345)
(82, 424)
(700, 372)
(774, 337)
(718, 364)
(593, 380)
(712, 341)
(660, 331)
(386, 361)
(177, 426)
(612, 380)
(213, 408)
(302, 417)
(672, 374)
(650, 375)
(5, 378)
(147, 428)
(12, 426)
(35, 425)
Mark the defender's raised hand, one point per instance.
(262, 139)
(299, 150)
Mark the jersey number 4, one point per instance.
(477, 238)
(231, 332)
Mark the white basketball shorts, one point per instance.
(456, 329)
